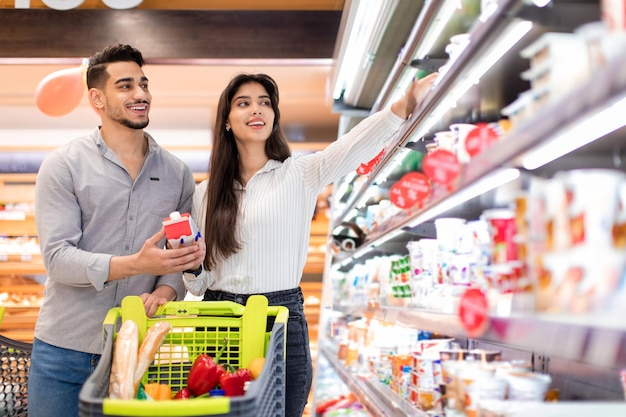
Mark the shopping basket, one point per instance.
(15, 363)
(198, 327)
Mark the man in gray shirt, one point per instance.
(99, 206)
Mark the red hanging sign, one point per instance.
(473, 312)
(413, 188)
(441, 166)
(366, 168)
(480, 138)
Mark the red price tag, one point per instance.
(480, 138)
(441, 166)
(367, 167)
(473, 312)
(413, 188)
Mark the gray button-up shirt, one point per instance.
(87, 210)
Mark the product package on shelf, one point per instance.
(14, 365)
(439, 375)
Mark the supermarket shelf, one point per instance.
(379, 399)
(604, 89)
(547, 123)
(35, 267)
(571, 409)
(599, 339)
(484, 32)
(23, 227)
(582, 352)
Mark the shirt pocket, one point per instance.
(163, 196)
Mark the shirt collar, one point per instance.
(270, 165)
(153, 146)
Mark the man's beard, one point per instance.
(137, 126)
(125, 122)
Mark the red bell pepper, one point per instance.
(183, 394)
(233, 382)
(205, 373)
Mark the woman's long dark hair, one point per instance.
(222, 199)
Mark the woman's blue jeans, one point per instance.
(55, 378)
(298, 364)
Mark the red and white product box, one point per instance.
(180, 229)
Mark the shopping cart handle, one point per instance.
(112, 315)
(200, 308)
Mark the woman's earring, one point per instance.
(227, 129)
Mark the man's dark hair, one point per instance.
(97, 75)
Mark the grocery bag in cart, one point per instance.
(15, 365)
(251, 331)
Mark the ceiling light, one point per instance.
(541, 3)
(444, 14)
(366, 16)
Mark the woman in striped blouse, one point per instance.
(255, 210)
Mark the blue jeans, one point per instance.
(55, 378)
(298, 363)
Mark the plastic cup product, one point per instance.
(445, 140)
(447, 229)
(593, 208)
(527, 386)
(460, 131)
(484, 355)
(502, 230)
(415, 258)
(453, 354)
(467, 377)
(426, 399)
(489, 388)
(506, 367)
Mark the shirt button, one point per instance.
(126, 247)
(131, 218)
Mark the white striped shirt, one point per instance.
(276, 209)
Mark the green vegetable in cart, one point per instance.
(183, 394)
(233, 382)
(205, 373)
(141, 393)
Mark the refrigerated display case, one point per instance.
(540, 90)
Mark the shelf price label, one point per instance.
(473, 312)
(480, 138)
(367, 167)
(442, 167)
(413, 188)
